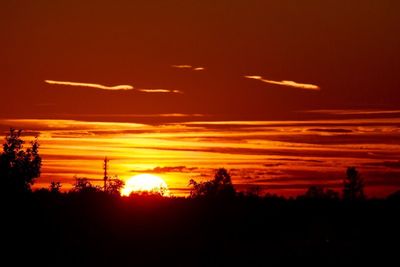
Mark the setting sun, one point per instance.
(145, 183)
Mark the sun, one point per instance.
(145, 183)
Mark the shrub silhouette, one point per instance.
(319, 192)
(83, 185)
(253, 191)
(18, 167)
(353, 185)
(220, 186)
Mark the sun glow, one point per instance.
(145, 183)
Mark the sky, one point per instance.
(164, 64)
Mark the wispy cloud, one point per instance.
(181, 115)
(353, 111)
(160, 91)
(113, 88)
(305, 86)
(182, 66)
(188, 67)
(92, 85)
(122, 115)
(167, 169)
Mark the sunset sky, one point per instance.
(282, 93)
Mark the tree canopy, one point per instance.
(220, 186)
(19, 167)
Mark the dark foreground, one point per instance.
(100, 230)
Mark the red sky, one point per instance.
(348, 48)
(191, 59)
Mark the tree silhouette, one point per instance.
(220, 186)
(18, 167)
(55, 187)
(353, 185)
(83, 185)
(114, 186)
(318, 192)
(253, 191)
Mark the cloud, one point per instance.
(305, 86)
(113, 88)
(167, 169)
(92, 85)
(182, 66)
(389, 164)
(330, 130)
(130, 115)
(160, 91)
(188, 67)
(352, 111)
(181, 115)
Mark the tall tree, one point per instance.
(18, 167)
(353, 185)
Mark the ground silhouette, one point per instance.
(93, 228)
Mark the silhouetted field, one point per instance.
(96, 229)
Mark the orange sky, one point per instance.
(283, 157)
(160, 62)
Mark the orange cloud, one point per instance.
(182, 66)
(92, 85)
(160, 91)
(113, 88)
(305, 86)
(188, 67)
(353, 111)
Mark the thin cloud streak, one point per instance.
(160, 91)
(304, 86)
(129, 115)
(91, 85)
(188, 67)
(112, 88)
(352, 111)
(182, 66)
